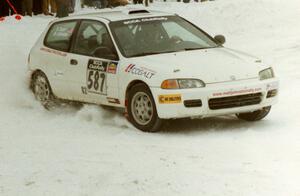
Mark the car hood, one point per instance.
(210, 65)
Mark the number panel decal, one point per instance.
(96, 80)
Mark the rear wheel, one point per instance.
(141, 109)
(256, 115)
(42, 90)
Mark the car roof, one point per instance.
(118, 15)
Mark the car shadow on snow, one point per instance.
(188, 125)
(216, 124)
(109, 116)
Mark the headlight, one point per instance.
(182, 84)
(266, 74)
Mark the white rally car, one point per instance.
(154, 65)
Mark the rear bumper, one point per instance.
(177, 109)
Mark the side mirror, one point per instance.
(220, 39)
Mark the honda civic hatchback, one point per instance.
(155, 65)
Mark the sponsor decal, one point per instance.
(237, 92)
(84, 90)
(112, 68)
(140, 71)
(97, 65)
(113, 100)
(54, 51)
(144, 20)
(169, 99)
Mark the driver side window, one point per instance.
(93, 39)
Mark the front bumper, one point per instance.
(175, 108)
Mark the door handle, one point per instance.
(73, 62)
(58, 73)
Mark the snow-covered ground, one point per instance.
(92, 151)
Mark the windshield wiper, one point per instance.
(151, 53)
(161, 52)
(202, 48)
(145, 54)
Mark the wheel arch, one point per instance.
(131, 85)
(33, 73)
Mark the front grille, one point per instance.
(234, 101)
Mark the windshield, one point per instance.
(146, 36)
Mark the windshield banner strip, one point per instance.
(144, 20)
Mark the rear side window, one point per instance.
(59, 35)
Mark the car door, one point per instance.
(95, 58)
(56, 59)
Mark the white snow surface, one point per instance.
(94, 152)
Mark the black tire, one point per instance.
(42, 90)
(256, 115)
(142, 113)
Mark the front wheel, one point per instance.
(141, 109)
(256, 115)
